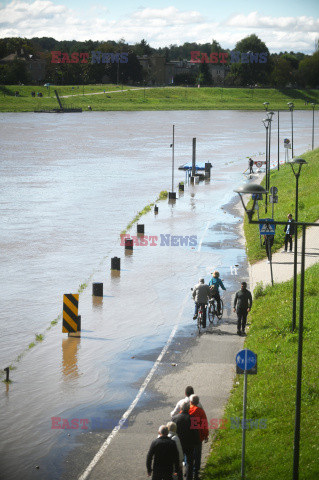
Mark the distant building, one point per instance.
(34, 66)
(158, 71)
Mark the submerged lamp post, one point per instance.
(291, 108)
(257, 189)
(296, 163)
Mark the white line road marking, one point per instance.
(201, 241)
(125, 416)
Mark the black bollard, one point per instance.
(97, 290)
(140, 228)
(181, 187)
(129, 244)
(156, 209)
(7, 373)
(115, 263)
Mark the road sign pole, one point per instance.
(270, 262)
(243, 445)
(272, 211)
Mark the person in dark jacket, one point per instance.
(250, 165)
(242, 305)
(188, 436)
(289, 232)
(166, 458)
(268, 242)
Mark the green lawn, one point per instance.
(286, 183)
(271, 393)
(162, 98)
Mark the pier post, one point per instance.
(97, 289)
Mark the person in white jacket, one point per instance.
(189, 390)
(172, 427)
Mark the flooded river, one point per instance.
(69, 185)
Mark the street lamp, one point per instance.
(313, 124)
(265, 104)
(257, 189)
(269, 115)
(297, 163)
(291, 108)
(266, 122)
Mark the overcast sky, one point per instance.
(284, 25)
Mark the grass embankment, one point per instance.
(308, 203)
(271, 393)
(162, 98)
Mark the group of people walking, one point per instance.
(242, 302)
(179, 442)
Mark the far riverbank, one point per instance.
(16, 98)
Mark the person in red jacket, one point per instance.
(198, 421)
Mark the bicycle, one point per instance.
(212, 310)
(200, 316)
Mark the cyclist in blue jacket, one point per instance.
(215, 283)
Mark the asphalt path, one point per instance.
(205, 361)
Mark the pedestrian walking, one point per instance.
(268, 242)
(242, 305)
(250, 165)
(188, 436)
(289, 232)
(189, 390)
(172, 428)
(165, 454)
(199, 421)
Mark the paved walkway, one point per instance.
(283, 262)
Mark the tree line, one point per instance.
(280, 70)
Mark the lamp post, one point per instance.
(291, 108)
(313, 124)
(257, 189)
(266, 122)
(297, 163)
(265, 104)
(269, 116)
(278, 162)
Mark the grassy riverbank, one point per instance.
(163, 98)
(271, 393)
(285, 181)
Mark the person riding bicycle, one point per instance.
(214, 283)
(201, 295)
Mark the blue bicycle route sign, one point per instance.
(246, 359)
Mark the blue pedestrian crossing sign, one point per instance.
(246, 359)
(267, 226)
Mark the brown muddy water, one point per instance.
(69, 185)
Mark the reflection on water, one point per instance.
(70, 347)
(63, 206)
